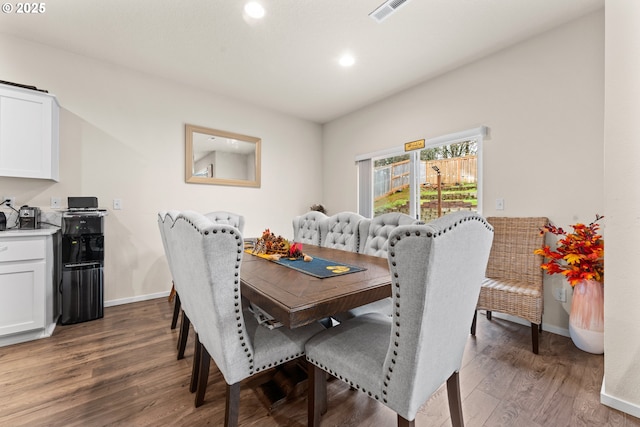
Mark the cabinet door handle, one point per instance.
(83, 264)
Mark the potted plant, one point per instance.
(579, 256)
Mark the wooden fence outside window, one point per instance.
(457, 170)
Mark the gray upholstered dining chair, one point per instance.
(223, 217)
(219, 217)
(340, 231)
(306, 228)
(436, 272)
(374, 240)
(374, 233)
(165, 221)
(208, 256)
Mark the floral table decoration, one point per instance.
(276, 247)
(579, 256)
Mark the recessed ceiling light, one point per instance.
(347, 60)
(254, 10)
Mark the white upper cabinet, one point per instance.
(28, 133)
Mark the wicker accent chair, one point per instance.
(514, 279)
(401, 361)
(306, 228)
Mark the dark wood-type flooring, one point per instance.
(122, 370)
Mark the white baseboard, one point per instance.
(121, 301)
(22, 337)
(619, 404)
(545, 327)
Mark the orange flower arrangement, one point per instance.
(579, 255)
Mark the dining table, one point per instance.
(292, 297)
(296, 298)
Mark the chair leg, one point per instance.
(488, 315)
(535, 337)
(474, 322)
(232, 406)
(323, 396)
(172, 292)
(195, 369)
(203, 376)
(455, 402)
(317, 394)
(184, 334)
(176, 312)
(403, 422)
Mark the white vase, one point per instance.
(586, 320)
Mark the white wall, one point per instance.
(622, 203)
(543, 102)
(122, 136)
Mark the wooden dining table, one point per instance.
(295, 298)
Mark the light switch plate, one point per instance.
(117, 204)
(499, 204)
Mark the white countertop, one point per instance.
(46, 230)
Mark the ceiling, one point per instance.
(288, 61)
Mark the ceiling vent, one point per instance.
(386, 9)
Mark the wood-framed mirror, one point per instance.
(219, 157)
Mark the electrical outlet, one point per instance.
(499, 204)
(117, 204)
(560, 294)
(9, 201)
(56, 202)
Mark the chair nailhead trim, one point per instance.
(236, 297)
(276, 363)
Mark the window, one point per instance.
(441, 178)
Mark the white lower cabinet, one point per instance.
(22, 307)
(27, 285)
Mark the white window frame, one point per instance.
(364, 162)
